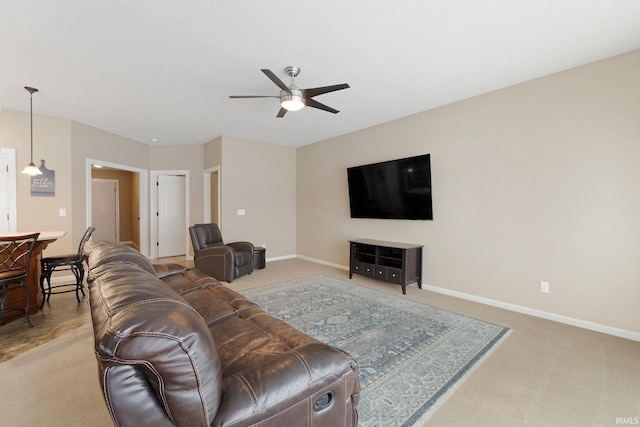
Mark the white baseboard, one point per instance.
(279, 258)
(319, 261)
(622, 333)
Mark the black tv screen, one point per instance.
(396, 189)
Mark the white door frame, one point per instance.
(207, 194)
(12, 195)
(153, 203)
(144, 197)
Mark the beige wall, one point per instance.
(261, 179)
(96, 144)
(535, 182)
(51, 141)
(88, 142)
(188, 158)
(253, 171)
(213, 153)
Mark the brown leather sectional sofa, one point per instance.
(176, 347)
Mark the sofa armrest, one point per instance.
(217, 262)
(158, 363)
(269, 391)
(164, 270)
(242, 247)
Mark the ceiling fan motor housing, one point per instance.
(293, 100)
(293, 71)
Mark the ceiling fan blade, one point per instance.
(275, 79)
(315, 91)
(315, 104)
(282, 112)
(253, 96)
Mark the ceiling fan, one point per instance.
(292, 98)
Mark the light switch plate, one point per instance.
(544, 287)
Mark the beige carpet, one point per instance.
(545, 374)
(55, 384)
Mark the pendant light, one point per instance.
(31, 169)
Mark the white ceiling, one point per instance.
(164, 69)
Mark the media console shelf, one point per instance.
(393, 262)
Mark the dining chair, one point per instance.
(69, 262)
(15, 257)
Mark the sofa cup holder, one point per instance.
(323, 402)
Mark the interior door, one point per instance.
(104, 209)
(172, 221)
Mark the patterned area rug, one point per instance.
(409, 354)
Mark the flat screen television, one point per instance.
(396, 189)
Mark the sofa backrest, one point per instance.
(100, 252)
(157, 360)
(205, 235)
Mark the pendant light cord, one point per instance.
(31, 115)
(31, 169)
(31, 91)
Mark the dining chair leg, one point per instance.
(3, 294)
(78, 275)
(46, 293)
(2, 297)
(26, 310)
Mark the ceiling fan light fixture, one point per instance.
(292, 102)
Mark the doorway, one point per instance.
(212, 196)
(8, 193)
(105, 211)
(134, 209)
(172, 220)
(170, 200)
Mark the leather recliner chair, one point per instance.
(224, 261)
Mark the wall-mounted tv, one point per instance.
(396, 189)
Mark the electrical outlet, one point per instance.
(544, 287)
(264, 245)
